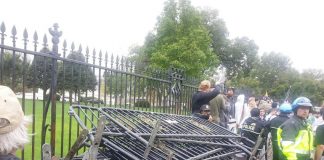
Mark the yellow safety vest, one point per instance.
(303, 143)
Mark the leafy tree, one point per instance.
(7, 73)
(310, 84)
(137, 56)
(271, 67)
(39, 72)
(218, 33)
(239, 57)
(217, 29)
(286, 79)
(76, 77)
(180, 39)
(315, 74)
(246, 85)
(273, 74)
(197, 41)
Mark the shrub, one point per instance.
(58, 97)
(142, 103)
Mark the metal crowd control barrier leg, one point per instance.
(78, 143)
(46, 149)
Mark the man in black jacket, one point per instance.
(203, 96)
(273, 125)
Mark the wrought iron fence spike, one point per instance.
(25, 34)
(94, 56)
(3, 27)
(64, 48)
(111, 60)
(45, 40)
(94, 53)
(35, 37)
(100, 55)
(106, 56)
(87, 50)
(80, 48)
(72, 46)
(87, 54)
(64, 44)
(14, 31)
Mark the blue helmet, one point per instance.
(285, 108)
(301, 101)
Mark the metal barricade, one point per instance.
(129, 134)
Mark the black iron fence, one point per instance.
(48, 79)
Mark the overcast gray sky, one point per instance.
(292, 27)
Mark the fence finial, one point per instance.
(25, 39)
(2, 27)
(2, 33)
(55, 37)
(80, 48)
(35, 37)
(14, 31)
(72, 47)
(64, 44)
(94, 54)
(87, 54)
(25, 34)
(45, 41)
(64, 48)
(100, 56)
(106, 57)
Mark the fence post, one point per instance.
(55, 40)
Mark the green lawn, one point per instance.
(69, 125)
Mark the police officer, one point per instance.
(252, 127)
(295, 136)
(273, 125)
(204, 113)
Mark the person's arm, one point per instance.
(207, 96)
(319, 142)
(319, 152)
(206, 117)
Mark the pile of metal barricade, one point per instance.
(112, 133)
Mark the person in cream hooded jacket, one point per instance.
(241, 111)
